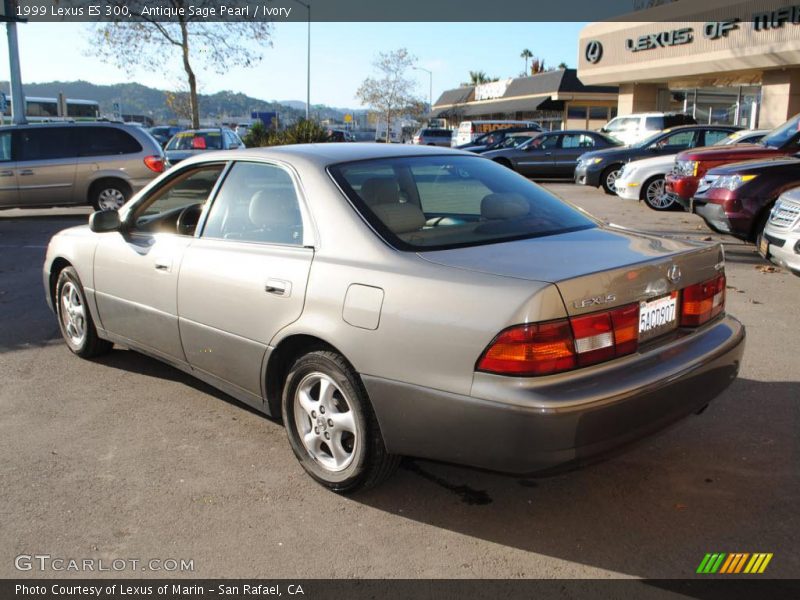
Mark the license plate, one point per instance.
(658, 316)
(763, 247)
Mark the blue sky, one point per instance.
(341, 57)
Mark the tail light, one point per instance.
(562, 345)
(702, 302)
(154, 163)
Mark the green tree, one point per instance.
(219, 46)
(562, 65)
(477, 78)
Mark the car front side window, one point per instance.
(256, 203)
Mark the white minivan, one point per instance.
(469, 130)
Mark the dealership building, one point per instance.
(556, 99)
(722, 61)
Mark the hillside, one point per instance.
(138, 99)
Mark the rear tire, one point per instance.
(331, 426)
(75, 318)
(608, 177)
(109, 194)
(654, 194)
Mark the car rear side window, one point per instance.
(654, 123)
(438, 202)
(256, 203)
(5, 146)
(106, 141)
(45, 143)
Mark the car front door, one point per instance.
(46, 163)
(136, 269)
(244, 277)
(9, 195)
(536, 158)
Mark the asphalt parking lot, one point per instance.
(124, 457)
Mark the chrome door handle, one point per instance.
(26, 172)
(279, 287)
(6, 173)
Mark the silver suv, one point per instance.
(433, 137)
(60, 164)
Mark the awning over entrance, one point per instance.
(505, 106)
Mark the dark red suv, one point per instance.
(692, 165)
(738, 197)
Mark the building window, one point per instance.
(576, 112)
(599, 113)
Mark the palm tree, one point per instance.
(526, 54)
(477, 77)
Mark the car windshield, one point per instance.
(196, 140)
(439, 202)
(780, 135)
(648, 140)
(513, 141)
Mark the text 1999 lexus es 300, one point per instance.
(391, 300)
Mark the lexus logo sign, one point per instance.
(594, 51)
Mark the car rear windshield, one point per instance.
(439, 202)
(196, 140)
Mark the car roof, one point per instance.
(72, 124)
(329, 153)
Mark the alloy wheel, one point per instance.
(657, 197)
(73, 313)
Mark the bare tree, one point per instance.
(219, 46)
(391, 91)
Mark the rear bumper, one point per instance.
(783, 248)
(525, 425)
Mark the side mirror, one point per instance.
(103, 221)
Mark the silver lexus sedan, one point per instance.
(388, 300)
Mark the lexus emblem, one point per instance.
(674, 274)
(594, 51)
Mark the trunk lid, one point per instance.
(594, 269)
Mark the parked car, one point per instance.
(340, 135)
(193, 141)
(164, 133)
(737, 198)
(489, 140)
(551, 154)
(242, 129)
(469, 131)
(511, 140)
(433, 137)
(644, 179)
(692, 165)
(601, 168)
(409, 301)
(631, 129)
(61, 164)
(780, 241)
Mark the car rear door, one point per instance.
(565, 157)
(243, 278)
(45, 168)
(9, 195)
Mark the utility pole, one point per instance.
(308, 60)
(17, 98)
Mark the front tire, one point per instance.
(654, 194)
(608, 178)
(331, 426)
(75, 319)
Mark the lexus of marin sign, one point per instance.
(712, 30)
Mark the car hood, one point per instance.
(655, 161)
(757, 166)
(615, 153)
(737, 152)
(584, 263)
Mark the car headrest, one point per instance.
(504, 206)
(380, 190)
(400, 218)
(275, 207)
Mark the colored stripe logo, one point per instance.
(736, 562)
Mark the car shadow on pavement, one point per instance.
(134, 362)
(726, 480)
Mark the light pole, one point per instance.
(430, 85)
(308, 65)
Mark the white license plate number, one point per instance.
(658, 316)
